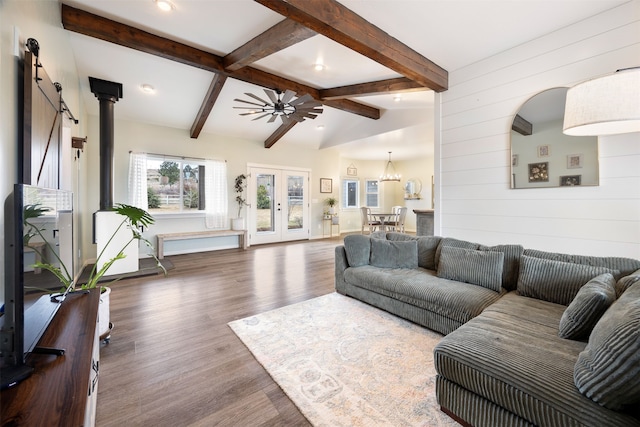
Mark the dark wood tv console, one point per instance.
(62, 389)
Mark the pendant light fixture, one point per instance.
(390, 172)
(606, 105)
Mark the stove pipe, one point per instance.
(108, 94)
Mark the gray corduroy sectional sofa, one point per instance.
(532, 338)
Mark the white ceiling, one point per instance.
(451, 33)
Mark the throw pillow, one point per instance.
(357, 248)
(450, 241)
(607, 370)
(590, 303)
(512, 254)
(427, 247)
(482, 268)
(626, 282)
(554, 281)
(388, 254)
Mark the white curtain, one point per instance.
(138, 180)
(216, 199)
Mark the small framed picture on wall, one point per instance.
(544, 151)
(574, 161)
(326, 185)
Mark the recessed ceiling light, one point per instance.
(164, 5)
(397, 98)
(318, 67)
(320, 127)
(146, 88)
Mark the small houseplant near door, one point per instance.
(240, 185)
(134, 219)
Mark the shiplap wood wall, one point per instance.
(473, 198)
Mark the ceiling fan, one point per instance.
(282, 105)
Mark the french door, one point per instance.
(279, 205)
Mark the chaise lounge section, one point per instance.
(519, 348)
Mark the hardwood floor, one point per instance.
(172, 359)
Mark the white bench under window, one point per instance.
(243, 235)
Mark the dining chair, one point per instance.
(367, 220)
(397, 224)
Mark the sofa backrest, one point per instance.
(625, 266)
(512, 254)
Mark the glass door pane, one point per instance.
(265, 212)
(295, 199)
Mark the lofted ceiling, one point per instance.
(191, 57)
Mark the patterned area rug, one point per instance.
(345, 363)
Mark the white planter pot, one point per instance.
(237, 224)
(104, 318)
(332, 210)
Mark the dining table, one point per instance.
(382, 217)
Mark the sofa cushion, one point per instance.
(590, 303)
(625, 282)
(608, 369)
(621, 266)
(421, 288)
(427, 247)
(358, 249)
(451, 242)
(511, 355)
(482, 268)
(388, 254)
(554, 281)
(512, 254)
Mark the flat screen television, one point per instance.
(31, 295)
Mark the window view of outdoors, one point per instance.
(173, 185)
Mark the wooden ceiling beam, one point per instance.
(401, 84)
(92, 25)
(282, 35)
(522, 126)
(335, 21)
(96, 26)
(207, 105)
(279, 133)
(354, 107)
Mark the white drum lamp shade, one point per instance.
(604, 106)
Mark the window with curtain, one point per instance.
(168, 184)
(350, 193)
(372, 193)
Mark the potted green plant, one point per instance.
(237, 223)
(134, 219)
(331, 201)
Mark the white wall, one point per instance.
(473, 198)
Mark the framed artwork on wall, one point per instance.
(539, 172)
(351, 170)
(326, 185)
(570, 180)
(574, 161)
(544, 150)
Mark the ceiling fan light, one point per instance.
(284, 106)
(390, 173)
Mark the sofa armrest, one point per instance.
(341, 264)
